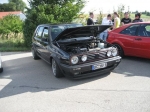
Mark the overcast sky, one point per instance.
(107, 6)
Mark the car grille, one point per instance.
(101, 55)
(95, 56)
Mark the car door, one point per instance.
(127, 37)
(142, 41)
(37, 38)
(45, 44)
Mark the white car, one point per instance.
(1, 68)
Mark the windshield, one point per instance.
(57, 29)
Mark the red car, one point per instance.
(132, 39)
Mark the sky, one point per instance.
(107, 6)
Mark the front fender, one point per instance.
(117, 42)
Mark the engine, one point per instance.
(83, 44)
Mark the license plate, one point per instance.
(99, 66)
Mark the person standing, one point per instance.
(126, 19)
(137, 18)
(116, 21)
(90, 19)
(106, 21)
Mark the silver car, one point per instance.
(1, 68)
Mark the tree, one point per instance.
(11, 24)
(20, 5)
(7, 7)
(121, 9)
(13, 5)
(49, 11)
(100, 17)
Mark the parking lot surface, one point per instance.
(27, 85)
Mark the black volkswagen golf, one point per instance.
(74, 50)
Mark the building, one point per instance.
(18, 13)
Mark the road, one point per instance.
(27, 85)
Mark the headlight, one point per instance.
(109, 53)
(84, 58)
(114, 52)
(74, 60)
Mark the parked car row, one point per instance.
(74, 50)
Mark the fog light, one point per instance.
(74, 60)
(114, 52)
(84, 58)
(109, 53)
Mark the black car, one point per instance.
(74, 50)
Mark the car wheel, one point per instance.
(120, 50)
(34, 54)
(1, 70)
(56, 70)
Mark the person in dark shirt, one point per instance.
(90, 19)
(137, 18)
(126, 19)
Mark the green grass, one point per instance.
(12, 49)
(12, 43)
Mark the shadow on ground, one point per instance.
(133, 66)
(28, 75)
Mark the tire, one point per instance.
(56, 70)
(121, 52)
(1, 70)
(34, 54)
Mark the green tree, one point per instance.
(7, 7)
(100, 17)
(11, 24)
(20, 5)
(121, 9)
(50, 11)
(13, 5)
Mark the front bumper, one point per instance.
(85, 70)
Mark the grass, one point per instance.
(9, 49)
(12, 43)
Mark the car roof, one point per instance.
(127, 25)
(60, 24)
(138, 23)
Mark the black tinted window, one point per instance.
(130, 30)
(56, 30)
(144, 30)
(39, 32)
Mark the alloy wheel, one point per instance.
(54, 67)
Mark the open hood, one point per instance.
(84, 30)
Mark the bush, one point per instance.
(11, 24)
(100, 17)
(11, 37)
(12, 43)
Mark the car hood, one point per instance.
(96, 29)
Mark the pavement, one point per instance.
(27, 85)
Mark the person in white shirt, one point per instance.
(106, 21)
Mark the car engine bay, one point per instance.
(82, 44)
